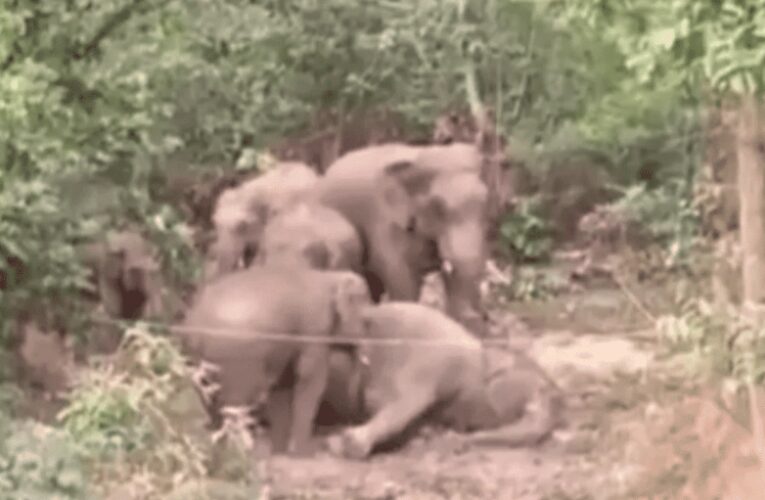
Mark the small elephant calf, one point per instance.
(500, 397)
(231, 323)
(313, 235)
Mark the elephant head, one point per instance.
(238, 228)
(129, 259)
(312, 235)
(440, 197)
(242, 213)
(126, 273)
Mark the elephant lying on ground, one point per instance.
(242, 212)
(500, 397)
(313, 235)
(417, 209)
(285, 378)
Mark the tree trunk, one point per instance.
(751, 188)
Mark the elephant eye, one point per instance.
(410, 225)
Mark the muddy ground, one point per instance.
(604, 371)
(637, 428)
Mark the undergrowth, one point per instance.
(129, 426)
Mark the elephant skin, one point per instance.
(417, 208)
(497, 397)
(241, 213)
(312, 235)
(127, 275)
(284, 378)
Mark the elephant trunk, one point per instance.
(226, 252)
(464, 254)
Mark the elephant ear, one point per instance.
(413, 178)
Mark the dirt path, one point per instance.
(599, 374)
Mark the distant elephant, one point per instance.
(417, 209)
(127, 275)
(285, 378)
(47, 358)
(499, 397)
(311, 234)
(242, 212)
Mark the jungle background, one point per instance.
(635, 148)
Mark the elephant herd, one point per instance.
(309, 305)
(310, 302)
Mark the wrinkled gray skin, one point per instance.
(498, 397)
(127, 275)
(241, 213)
(416, 208)
(286, 379)
(312, 235)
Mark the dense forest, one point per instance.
(630, 133)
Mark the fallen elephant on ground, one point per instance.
(500, 397)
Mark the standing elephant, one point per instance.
(416, 208)
(242, 212)
(127, 275)
(225, 325)
(499, 397)
(314, 235)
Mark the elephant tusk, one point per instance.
(447, 267)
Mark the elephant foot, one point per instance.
(352, 443)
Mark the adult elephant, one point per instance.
(416, 208)
(496, 397)
(225, 328)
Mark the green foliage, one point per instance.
(524, 234)
(128, 419)
(37, 461)
(716, 341)
(666, 214)
(684, 42)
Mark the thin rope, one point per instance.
(268, 334)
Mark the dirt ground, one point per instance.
(602, 376)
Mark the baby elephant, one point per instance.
(500, 397)
(313, 235)
(228, 320)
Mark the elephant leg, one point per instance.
(312, 372)
(358, 442)
(390, 264)
(279, 411)
(376, 286)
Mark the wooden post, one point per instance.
(751, 188)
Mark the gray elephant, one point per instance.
(416, 208)
(242, 212)
(313, 235)
(499, 397)
(126, 274)
(225, 327)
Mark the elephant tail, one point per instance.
(542, 415)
